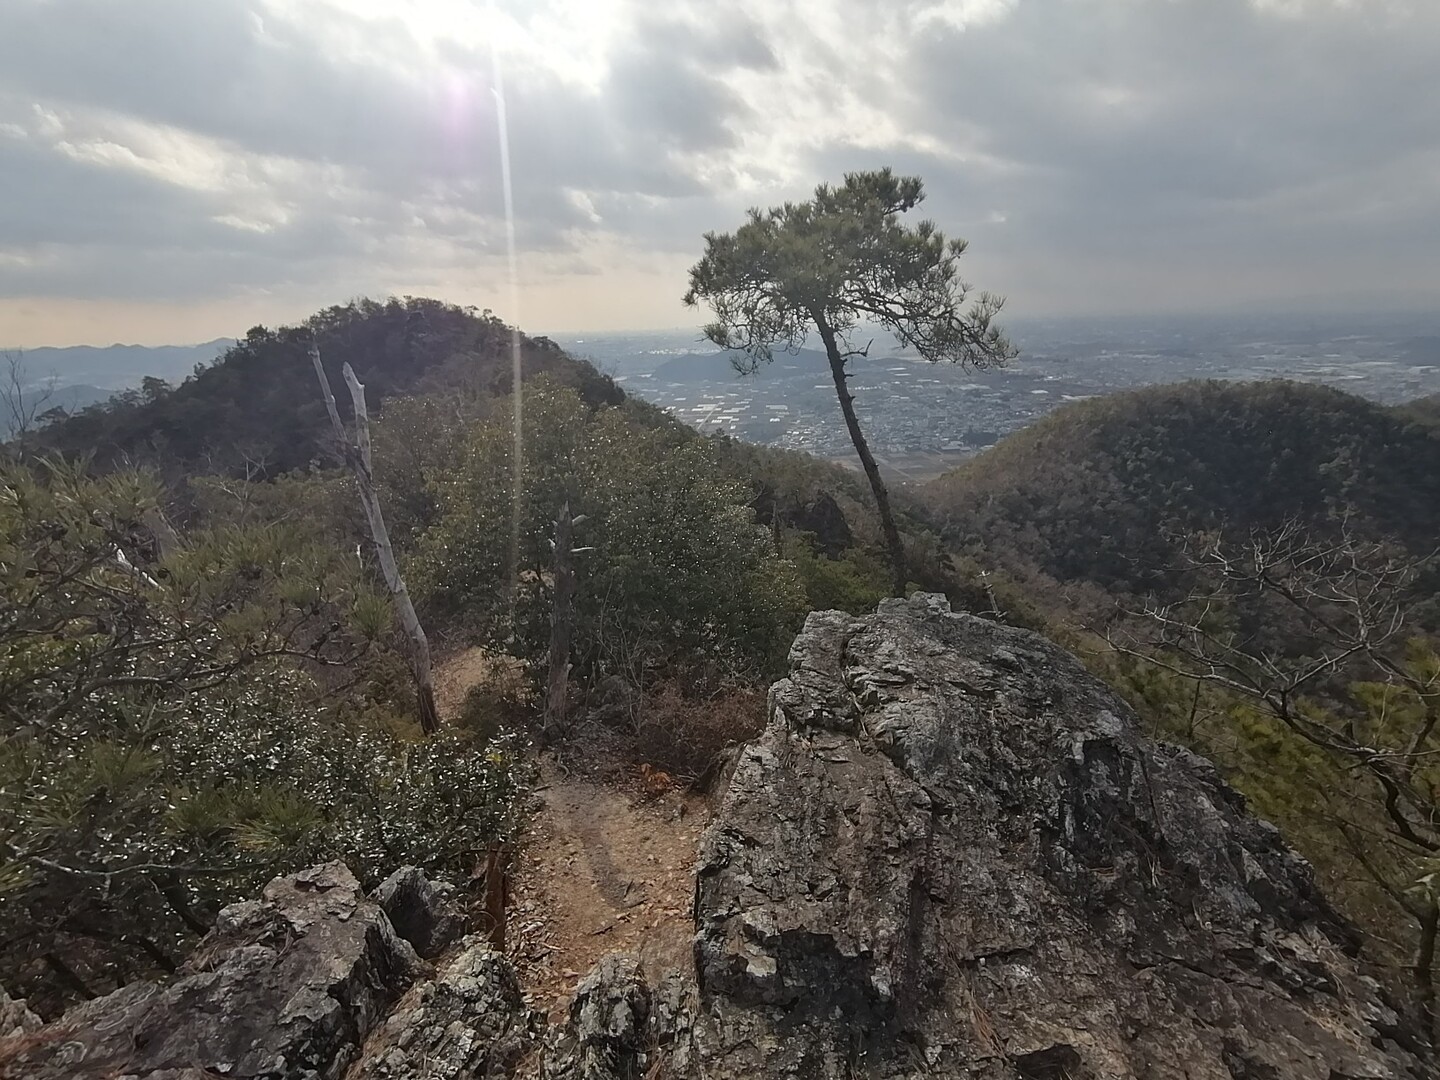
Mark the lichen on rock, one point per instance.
(469, 1021)
(953, 852)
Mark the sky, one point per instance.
(180, 170)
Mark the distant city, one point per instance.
(921, 418)
(924, 418)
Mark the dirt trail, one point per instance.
(607, 866)
(457, 673)
(604, 870)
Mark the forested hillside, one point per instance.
(1102, 491)
(1426, 410)
(202, 677)
(256, 411)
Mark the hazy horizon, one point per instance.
(180, 172)
(1413, 319)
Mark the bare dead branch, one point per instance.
(357, 456)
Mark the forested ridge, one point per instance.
(256, 410)
(1100, 491)
(204, 682)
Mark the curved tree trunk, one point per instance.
(894, 548)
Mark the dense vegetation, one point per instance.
(676, 573)
(186, 714)
(201, 683)
(1103, 491)
(255, 411)
(189, 708)
(1424, 410)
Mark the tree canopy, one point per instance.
(831, 264)
(841, 259)
(676, 572)
(1100, 490)
(256, 411)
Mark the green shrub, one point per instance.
(855, 582)
(166, 747)
(675, 570)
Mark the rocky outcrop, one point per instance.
(823, 519)
(469, 1021)
(15, 1017)
(619, 1028)
(951, 854)
(283, 988)
(422, 911)
(820, 515)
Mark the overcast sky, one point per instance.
(177, 170)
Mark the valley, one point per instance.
(925, 418)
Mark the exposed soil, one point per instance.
(457, 673)
(607, 864)
(454, 676)
(607, 868)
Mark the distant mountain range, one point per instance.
(77, 376)
(116, 367)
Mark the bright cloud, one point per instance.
(236, 158)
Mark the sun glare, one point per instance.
(569, 37)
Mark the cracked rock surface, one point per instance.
(421, 911)
(953, 854)
(283, 988)
(469, 1021)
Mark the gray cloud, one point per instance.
(1098, 153)
(1166, 122)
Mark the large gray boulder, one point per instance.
(953, 854)
(283, 988)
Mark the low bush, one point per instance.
(689, 737)
(166, 746)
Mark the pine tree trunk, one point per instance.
(894, 547)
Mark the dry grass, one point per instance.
(686, 739)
